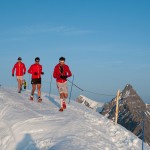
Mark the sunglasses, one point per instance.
(62, 61)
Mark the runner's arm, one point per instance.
(13, 70)
(69, 72)
(30, 70)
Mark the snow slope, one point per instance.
(26, 125)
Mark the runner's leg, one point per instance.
(39, 90)
(19, 81)
(60, 89)
(65, 89)
(33, 89)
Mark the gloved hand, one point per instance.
(42, 73)
(61, 69)
(24, 73)
(35, 73)
(63, 77)
(13, 75)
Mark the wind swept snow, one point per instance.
(26, 125)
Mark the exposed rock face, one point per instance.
(131, 112)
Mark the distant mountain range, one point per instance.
(132, 110)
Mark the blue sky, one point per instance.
(106, 43)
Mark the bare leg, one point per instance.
(62, 95)
(65, 95)
(19, 85)
(39, 90)
(61, 100)
(33, 89)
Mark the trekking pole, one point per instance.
(71, 88)
(50, 86)
(143, 123)
(117, 106)
(75, 85)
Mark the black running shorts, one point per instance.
(36, 81)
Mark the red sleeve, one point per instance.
(69, 72)
(13, 70)
(30, 70)
(56, 73)
(24, 68)
(41, 69)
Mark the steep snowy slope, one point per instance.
(26, 125)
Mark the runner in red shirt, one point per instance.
(20, 69)
(36, 71)
(61, 73)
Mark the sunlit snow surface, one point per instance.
(26, 125)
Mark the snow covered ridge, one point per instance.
(27, 125)
(97, 106)
(148, 106)
(88, 102)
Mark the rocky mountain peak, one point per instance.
(131, 110)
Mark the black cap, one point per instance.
(19, 58)
(62, 59)
(37, 59)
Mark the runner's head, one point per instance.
(19, 59)
(62, 60)
(37, 60)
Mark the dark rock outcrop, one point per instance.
(132, 110)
